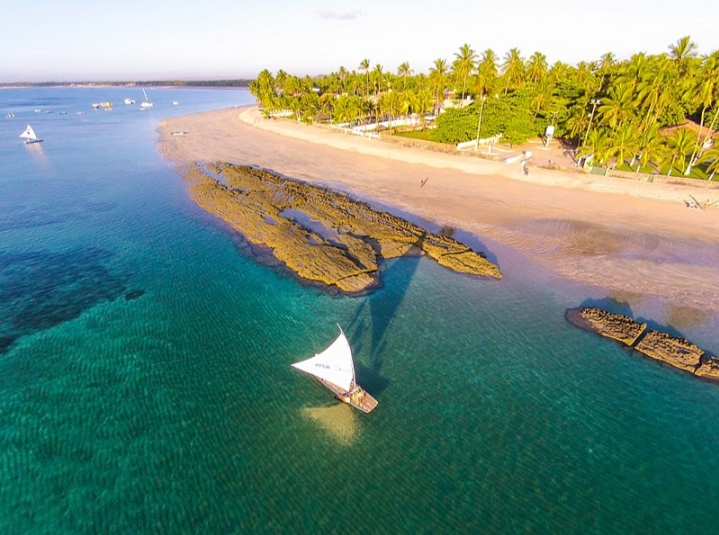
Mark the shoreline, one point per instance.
(627, 238)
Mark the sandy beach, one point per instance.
(628, 238)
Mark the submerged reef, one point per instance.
(321, 235)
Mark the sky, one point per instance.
(129, 40)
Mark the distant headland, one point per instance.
(239, 83)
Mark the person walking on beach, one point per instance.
(525, 169)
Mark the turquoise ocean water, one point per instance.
(146, 387)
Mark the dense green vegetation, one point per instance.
(614, 112)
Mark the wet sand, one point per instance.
(623, 237)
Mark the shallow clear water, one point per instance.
(145, 379)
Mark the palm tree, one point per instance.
(486, 79)
(635, 70)
(263, 88)
(649, 143)
(536, 67)
(712, 157)
(326, 105)
(625, 141)
(584, 76)
(464, 64)
(354, 85)
(559, 71)
(542, 95)
(407, 99)
(404, 71)
(652, 90)
(390, 104)
(595, 145)
(437, 74)
(577, 122)
(512, 68)
(280, 81)
(422, 103)
(707, 94)
(488, 63)
(606, 65)
(617, 108)
(310, 105)
(377, 77)
(364, 65)
(420, 81)
(342, 74)
(342, 109)
(679, 145)
(682, 53)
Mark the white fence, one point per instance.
(368, 130)
(472, 145)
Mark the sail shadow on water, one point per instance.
(383, 307)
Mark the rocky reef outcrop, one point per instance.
(678, 352)
(655, 344)
(321, 235)
(620, 328)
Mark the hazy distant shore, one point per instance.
(628, 238)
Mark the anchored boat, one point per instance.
(145, 103)
(334, 368)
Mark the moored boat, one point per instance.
(145, 103)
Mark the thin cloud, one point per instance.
(340, 15)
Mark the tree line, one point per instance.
(615, 113)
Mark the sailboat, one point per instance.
(335, 369)
(30, 136)
(145, 103)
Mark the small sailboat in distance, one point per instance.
(335, 369)
(30, 136)
(145, 103)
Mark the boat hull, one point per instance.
(357, 397)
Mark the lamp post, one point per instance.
(483, 98)
(594, 102)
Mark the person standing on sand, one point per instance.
(525, 169)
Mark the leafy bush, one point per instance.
(509, 115)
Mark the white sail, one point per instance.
(334, 364)
(29, 134)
